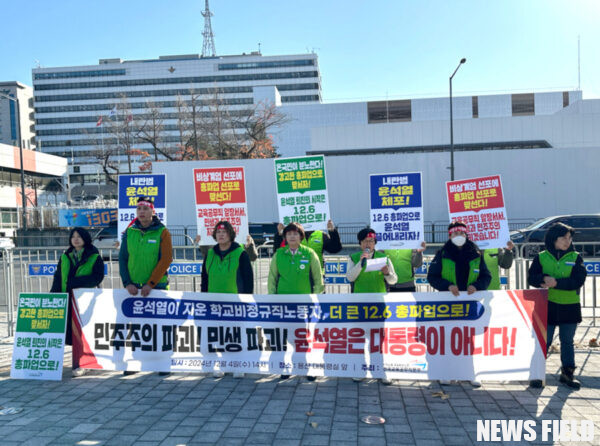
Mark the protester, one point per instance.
(146, 253)
(495, 259)
(295, 268)
(362, 281)
(459, 266)
(405, 261)
(561, 271)
(80, 266)
(372, 281)
(227, 269)
(318, 240)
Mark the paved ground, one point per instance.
(106, 408)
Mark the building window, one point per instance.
(8, 218)
(389, 111)
(69, 74)
(275, 64)
(177, 80)
(133, 105)
(302, 98)
(475, 102)
(523, 104)
(377, 112)
(565, 98)
(399, 111)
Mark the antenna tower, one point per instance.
(208, 45)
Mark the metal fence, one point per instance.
(30, 270)
(435, 232)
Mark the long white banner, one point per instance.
(497, 335)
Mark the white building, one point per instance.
(70, 100)
(10, 126)
(546, 147)
(45, 184)
(504, 121)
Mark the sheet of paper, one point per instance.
(376, 264)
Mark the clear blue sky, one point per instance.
(367, 49)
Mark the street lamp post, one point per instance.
(462, 61)
(23, 196)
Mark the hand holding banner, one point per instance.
(302, 192)
(478, 202)
(221, 195)
(131, 187)
(397, 210)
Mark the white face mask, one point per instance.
(459, 240)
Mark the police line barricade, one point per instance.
(7, 292)
(423, 285)
(335, 274)
(496, 335)
(526, 253)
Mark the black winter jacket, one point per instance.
(461, 257)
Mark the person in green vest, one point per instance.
(318, 240)
(145, 254)
(227, 269)
(560, 270)
(405, 261)
(459, 266)
(80, 266)
(295, 268)
(362, 281)
(496, 258)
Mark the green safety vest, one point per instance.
(294, 270)
(402, 261)
(449, 270)
(143, 248)
(371, 282)
(315, 242)
(85, 269)
(222, 273)
(560, 269)
(492, 263)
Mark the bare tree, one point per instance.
(117, 137)
(223, 133)
(151, 130)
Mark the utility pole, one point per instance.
(23, 195)
(462, 61)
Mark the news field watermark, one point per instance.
(535, 430)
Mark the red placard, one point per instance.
(475, 194)
(219, 185)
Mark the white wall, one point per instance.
(564, 130)
(537, 183)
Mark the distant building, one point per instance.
(490, 122)
(69, 101)
(9, 123)
(45, 184)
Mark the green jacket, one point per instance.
(72, 271)
(560, 269)
(402, 261)
(315, 242)
(368, 282)
(140, 253)
(295, 274)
